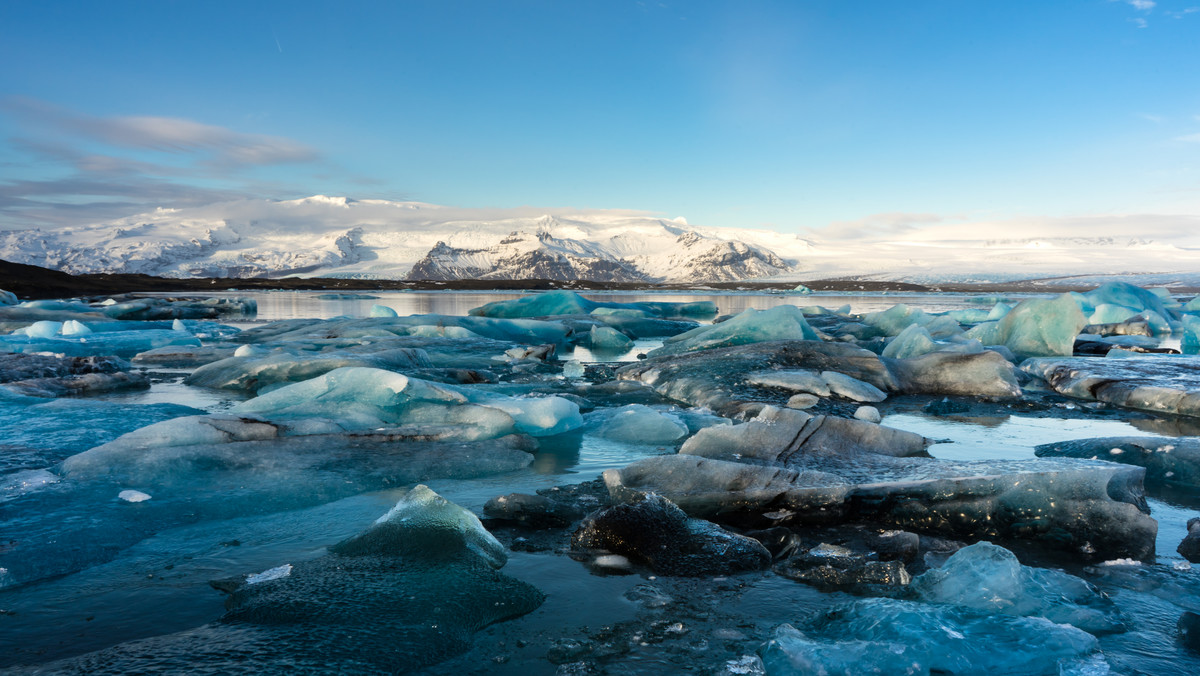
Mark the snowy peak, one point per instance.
(340, 237)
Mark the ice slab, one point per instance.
(256, 372)
(1036, 327)
(887, 636)
(1152, 382)
(726, 380)
(832, 470)
(1166, 459)
(638, 424)
(784, 322)
(406, 593)
(990, 579)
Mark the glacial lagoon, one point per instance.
(239, 494)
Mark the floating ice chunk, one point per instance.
(989, 578)
(1036, 327)
(422, 519)
(177, 325)
(868, 413)
(383, 311)
(801, 289)
(1192, 305)
(802, 401)
(276, 573)
(999, 311)
(42, 329)
(1190, 343)
(852, 388)
(1107, 313)
(1166, 459)
(257, 372)
(27, 481)
(638, 424)
(887, 636)
(573, 369)
(784, 322)
(605, 338)
(1126, 295)
(897, 318)
(8, 298)
(535, 416)
(249, 351)
(432, 331)
(72, 327)
(116, 343)
(793, 380)
(913, 341)
(133, 496)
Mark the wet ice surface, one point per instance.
(638, 623)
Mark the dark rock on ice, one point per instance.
(654, 531)
(534, 511)
(1189, 630)
(1190, 547)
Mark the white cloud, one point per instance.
(1143, 5)
(1139, 22)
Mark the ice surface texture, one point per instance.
(832, 470)
(1157, 383)
(1166, 459)
(784, 322)
(407, 592)
(1036, 327)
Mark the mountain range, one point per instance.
(338, 237)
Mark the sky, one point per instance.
(828, 118)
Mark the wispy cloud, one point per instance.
(1189, 138)
(1143, 5)
(164, 134)
(63, 167)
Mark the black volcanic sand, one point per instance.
(30, 282)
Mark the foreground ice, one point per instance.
(784, 322)
(1166, 459)
(835, 470)
(405, 593)
(1156, 383)
(887, 636)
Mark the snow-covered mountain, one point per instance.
(338, 237)
(378, 239)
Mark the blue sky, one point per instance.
(823, 116)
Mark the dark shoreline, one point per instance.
(30, 282)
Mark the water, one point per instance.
(160, 584)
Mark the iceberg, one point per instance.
(783, 322)
(1036, 327)
(887, 636)
(638, 424)
(553, 303)
(404, 594)
(837, 470)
